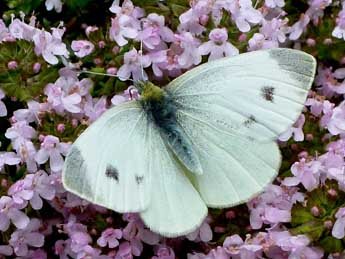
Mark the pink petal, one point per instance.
(4, 222)
(56, 160)
(35, 239)
(19, 218)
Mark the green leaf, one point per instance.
(332, 245)
(300, 215)
(312, 229)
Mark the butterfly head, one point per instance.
(149, 91)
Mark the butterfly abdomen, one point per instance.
(161, 109)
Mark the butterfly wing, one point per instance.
(122, 163)
(257, 94)
(108, 163)
(233, 109)
(176, 207)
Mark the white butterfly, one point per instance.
(206, 140)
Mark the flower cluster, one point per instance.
(56, 80)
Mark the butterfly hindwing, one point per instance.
(233, 109)
(176, 207)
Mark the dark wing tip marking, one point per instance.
(267, 92)
(74, 173)
(139, 179)
(112, 172)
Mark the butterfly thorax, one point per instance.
(162, 110)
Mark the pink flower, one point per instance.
(21, 191)
(50, 45)
(203, 233)
(67, 92)
(29, 236)
(94, 107)
(316, 106)
(243, 14)
(274, 3)
(42, 188)
(31, 114)
(338, 230)
(135, 233)
(56, 4)
(154, 32)
(339, 30)
(296, 130)
(235, 246)
(21, 30)
(110, 238)
(163, 252)
(134, 64)
(218, 46)
(6, 250)
(8, 158)
(4, 32)
(306, 173)
(190, 20)
(3, 110)
(336, 123)
(298, 28)
(272, 206)
(258, 41)
(10, 211)
(79, 241)
(82, 48)
(126, 24)
(295, 245)
(125, 251)
(131, 93)
(51, 149)
(20, 130)
(190, 53)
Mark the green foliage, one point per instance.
(23, 83)
(316, 226)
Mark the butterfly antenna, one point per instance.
(141, 51)
(100, 74)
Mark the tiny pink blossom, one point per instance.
(296, 130)
(10, 211)
(56, 4)
(51, 149)
(203, 233)
(164, 252)
(338, 230)
(94, 107)
(12, 65)
(218, 46)
(8, 158)
(299, 27)
(306, 173)
(3, 109)
(82, 48)
(110, 238)
(29, 236)
(134, 64)
(50, 45)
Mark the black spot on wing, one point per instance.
(267, 92)
(139, 179)
(112, 172)
(251, 120)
